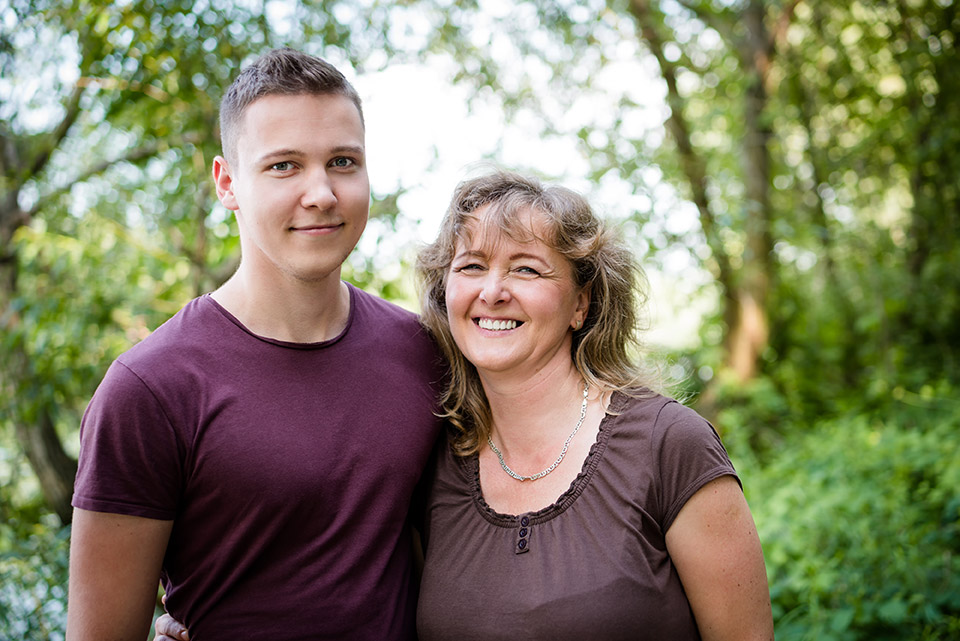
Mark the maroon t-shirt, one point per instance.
(594, 565)
(288, 469)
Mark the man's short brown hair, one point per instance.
(278, 72)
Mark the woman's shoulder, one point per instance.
(661, 416)
(640, 401)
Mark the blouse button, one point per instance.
(523, 533)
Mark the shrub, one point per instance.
(860, 521)
(33, 580)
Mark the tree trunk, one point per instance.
(38, 437)
(692, 163)
(747, 339)
(745, 293)
(54, 468)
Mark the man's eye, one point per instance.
(282, 166)
(342, 162)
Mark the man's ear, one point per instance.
(224, 182)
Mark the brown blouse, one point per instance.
(593, 565)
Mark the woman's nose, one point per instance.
(493, 290)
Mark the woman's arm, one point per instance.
(169, 629)
(715, 547)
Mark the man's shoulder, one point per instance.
(393, 332)
(177, 337)
(375, 315)
(365, 301)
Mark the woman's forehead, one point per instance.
(488, 226)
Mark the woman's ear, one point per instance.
(583, 306)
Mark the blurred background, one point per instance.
(788, 172)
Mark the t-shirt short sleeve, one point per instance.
(130, 455)
(691, 455)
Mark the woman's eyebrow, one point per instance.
(527, 256)
(471, 253)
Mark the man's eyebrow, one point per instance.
(349, 149)
(357, 150)
(280, 153)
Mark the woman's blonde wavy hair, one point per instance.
(602, 263)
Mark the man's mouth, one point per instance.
(317, 229)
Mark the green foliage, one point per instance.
(860, 521)
(33, 575)
(87, 295)
(866, 110)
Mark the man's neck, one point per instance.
(287, 309)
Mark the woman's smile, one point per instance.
(497, 325)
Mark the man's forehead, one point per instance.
(275, 123)
(279, 100)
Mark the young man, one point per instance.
(258, 452)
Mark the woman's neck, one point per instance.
(531, 414)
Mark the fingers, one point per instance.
(169, 629)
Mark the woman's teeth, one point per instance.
(497, 325)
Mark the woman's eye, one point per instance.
(469, 267)
(528, 270)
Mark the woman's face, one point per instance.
(512, 304)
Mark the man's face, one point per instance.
(298, 185)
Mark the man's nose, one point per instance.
(319, 192)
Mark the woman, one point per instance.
(571, 500)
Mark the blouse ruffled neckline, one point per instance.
(471, 465)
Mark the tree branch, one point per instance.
(722, 24)
(8, 151)
(133, 155)
(57, 135)
(694, 167)
(779, 30)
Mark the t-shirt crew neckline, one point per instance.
(281, 343)
(565, 500)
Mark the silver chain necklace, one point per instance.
(563, 452)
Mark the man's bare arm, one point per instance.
(114, 573)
